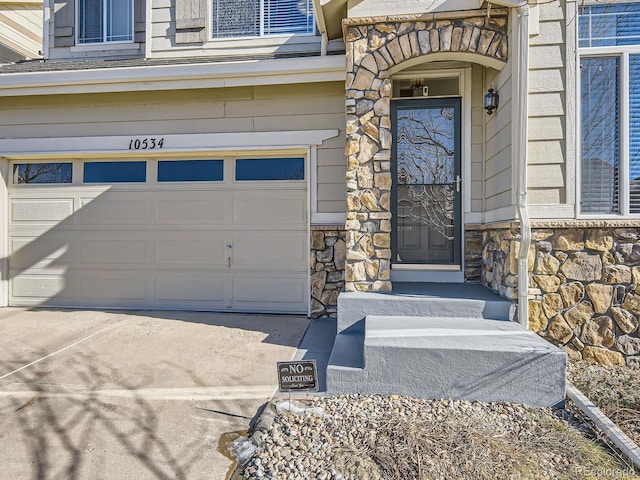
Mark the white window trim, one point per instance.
(622, 52)
(101, 45)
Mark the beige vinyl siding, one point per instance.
(498, 172)
(245, 109)
(163, 41)
(21, 27)
(547, 108)
(477, 141)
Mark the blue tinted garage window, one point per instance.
(190, 170)
(115, 172)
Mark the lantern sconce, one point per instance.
(491, 100)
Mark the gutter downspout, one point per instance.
(46, 17)
(322, 26)
(521, 156)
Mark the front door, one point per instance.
(427, 184)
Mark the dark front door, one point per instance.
(427, 182)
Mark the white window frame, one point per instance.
(104, 28)
(262, 35)
(622, 53)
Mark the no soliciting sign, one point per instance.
(295, 376)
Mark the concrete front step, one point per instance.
(447, 357)
(424, 300)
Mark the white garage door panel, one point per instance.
(203, 290)
(112, 285)
(35, 251)
(41, 210)
(187, 249)
(283, 290)
(106, 251)
(230, 246)
(34, 289)
(112, 212)
(287, 250)
(266, 211)
(189, 212)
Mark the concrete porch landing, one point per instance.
(442, 341)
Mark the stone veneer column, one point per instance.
(373, 47)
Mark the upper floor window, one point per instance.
(101, 21)
(609, 42)
(256, 18)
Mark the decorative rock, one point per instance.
(603, 356)
(600, 296)
(559, 330)
(382, 240)
(317, 240)
(546, 264)
(625, 320)
(632, 303)
(539, 235)
(635, 272)
(627, 253)
(627, 234)
(339, 254)
(599, 240)
(355, 272)
(582, 266)
(537, 320)
(547, 283)
(572, 293)
(579, 314)
(569, 240)
(599, 332)
(369, 200)
(628, 345)
(551, 304)
(616, 274)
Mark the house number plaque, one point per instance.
(146, 143)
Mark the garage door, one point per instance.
(221, 234)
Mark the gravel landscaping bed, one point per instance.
(615, 390)
(364, 437)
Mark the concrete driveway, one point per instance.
(132, 395)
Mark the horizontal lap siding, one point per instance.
(21, 28)
(246, 109)
(498, 142)
(547, 108)
(477, 142)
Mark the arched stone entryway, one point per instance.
(375, 49)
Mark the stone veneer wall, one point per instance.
(584, 279)
(374, 47)
(328, 252)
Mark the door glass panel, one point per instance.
(427, 195)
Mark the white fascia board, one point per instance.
(177, 76)
(175, 144)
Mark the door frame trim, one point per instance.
(464, 75)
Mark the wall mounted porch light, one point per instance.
(491, 100)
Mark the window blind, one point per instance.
(599, 135)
